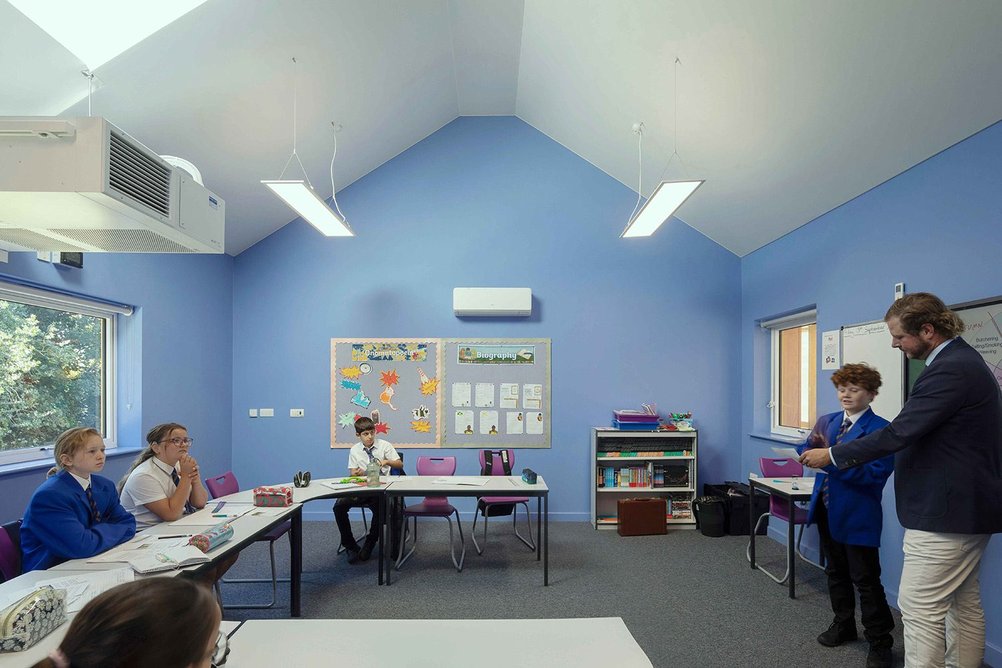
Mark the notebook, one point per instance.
(168, 559)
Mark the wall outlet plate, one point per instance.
(296, 412)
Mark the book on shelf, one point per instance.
(156, 559)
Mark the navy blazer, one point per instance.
(855, 515)
(947, 445)
(57, 523)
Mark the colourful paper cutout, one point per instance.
(421, 426)
(421, 412)
(382, 428)
(352, 372)
(365, 367)
(422, 376)
(350, 384)
(346, 420)
(361, 400)
(386, 396)
(430, 387)
(390, 377)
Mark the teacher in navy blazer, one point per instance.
(947, 444)
(846, 507)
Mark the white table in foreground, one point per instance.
(437, 643)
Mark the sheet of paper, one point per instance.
(201, 517)
(269, 512)
(489, 422)
(461, 393)
(532, 396)
(509, 395)
(790, 453)
(339, 485)
(485, 395)
(534, 423)
(464, 422)
(472, 482)
(515, 422)
(83, 587)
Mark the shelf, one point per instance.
(644, 489)
(645, 459)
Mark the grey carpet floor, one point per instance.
(689, 600)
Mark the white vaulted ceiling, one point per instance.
(787, 108)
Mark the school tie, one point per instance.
(95, 514)
(369, 452)
(846, 424)
(188, 508)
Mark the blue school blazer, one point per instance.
(57, 523)
(855, 516)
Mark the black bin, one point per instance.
(711, 513)
(736, 496)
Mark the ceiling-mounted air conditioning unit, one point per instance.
(83, 185)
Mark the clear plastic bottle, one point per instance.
(372, 474)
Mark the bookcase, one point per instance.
(643, 464)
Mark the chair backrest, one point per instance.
(497, 462)
(400, 471)
(222, 485)
(783, 467)
(10, 550)
(436, 465)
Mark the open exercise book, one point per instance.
(161, 558)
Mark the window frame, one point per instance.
(109, 312)
(775, 326)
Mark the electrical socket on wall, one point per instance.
(899, 291)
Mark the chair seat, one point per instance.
(780, 512)
(426, 509)
(277, 532)
(504, 499)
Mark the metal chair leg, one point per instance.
(528, 521)
(274, 580)
(365, 530)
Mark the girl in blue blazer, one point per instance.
(74, 514)
(846, 507)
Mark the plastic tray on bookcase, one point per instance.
(635, 426)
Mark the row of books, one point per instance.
(652, 475)
(645, 453)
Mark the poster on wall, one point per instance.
(394, 381)
(496, 393)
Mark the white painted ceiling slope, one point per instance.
(787, 108)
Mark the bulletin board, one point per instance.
(496, 393)
(870, 342)
(399, 378)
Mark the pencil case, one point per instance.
(211, 538)
(529, 476)
(273, 497)
(25, 622)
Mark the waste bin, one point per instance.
(711, 512)
(736, 507)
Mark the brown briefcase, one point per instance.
(641, 517)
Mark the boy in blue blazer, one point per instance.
(74, 514)
(846, 506)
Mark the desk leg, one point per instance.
(539, 527)
(546, 539)
(790, 549)
(751, 523)
(391, 502)
(381, 509)
(296, 568)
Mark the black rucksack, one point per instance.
(495, 509)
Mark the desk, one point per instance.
(41, 649)
(437, 643)
(783, 488)
(416, 485)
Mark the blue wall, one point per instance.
(488, 202)
(935, 227)
(174, 364)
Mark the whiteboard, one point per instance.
(870, 342)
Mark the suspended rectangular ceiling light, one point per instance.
(304, 201)
(96, 32)
(664, 201)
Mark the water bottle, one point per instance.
(372, 474)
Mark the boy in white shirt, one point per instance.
(369, 448)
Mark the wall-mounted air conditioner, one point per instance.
(496, 302)
(83, 185)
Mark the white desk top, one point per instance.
(40, 650)
(467, 485)
(805, 485)
(438, 643)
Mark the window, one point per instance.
(57, 357)
(794, 373)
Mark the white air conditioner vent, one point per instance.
(91, 187)
(492, 302)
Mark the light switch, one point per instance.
(296, 412)
(266, 412)
(252, 412)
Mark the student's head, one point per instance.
(857, 385)
(154, 623)
(365, 429)
(168, 442)
(79, 450)
(919, 322)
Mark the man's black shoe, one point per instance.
(354, 554)
(836, 635)
(879, 657)
(366, 551)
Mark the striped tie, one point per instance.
(188, 508)
(95, 514)
(846, 424)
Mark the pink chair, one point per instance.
(433, 506)
(501, 462)
(779, 508)
(225, 485)
(10, 550)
